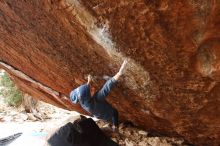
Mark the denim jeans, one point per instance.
(97, 105)
(100, 97)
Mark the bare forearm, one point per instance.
(117, 76)
(121, 70)
(89, 80)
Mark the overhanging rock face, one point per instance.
(172, 82)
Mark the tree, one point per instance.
(13, 96)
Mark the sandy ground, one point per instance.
(36, 131)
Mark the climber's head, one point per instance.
(81, 91)
(74, 96)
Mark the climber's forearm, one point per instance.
(89, 80)
(121, 70)
(117, 76)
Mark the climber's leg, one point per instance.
(115, 120)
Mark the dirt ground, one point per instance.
(37, 129)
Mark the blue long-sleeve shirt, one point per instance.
(96, 104)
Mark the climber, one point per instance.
(96, 104)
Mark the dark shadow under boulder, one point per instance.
(84, 132)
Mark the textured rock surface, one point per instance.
(172, 83)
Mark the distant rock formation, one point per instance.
(172, 83)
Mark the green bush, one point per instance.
(10, 92)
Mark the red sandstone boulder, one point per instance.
(172, 83)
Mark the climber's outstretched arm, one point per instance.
(102, 94)
(121, 70)
(89, 80)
